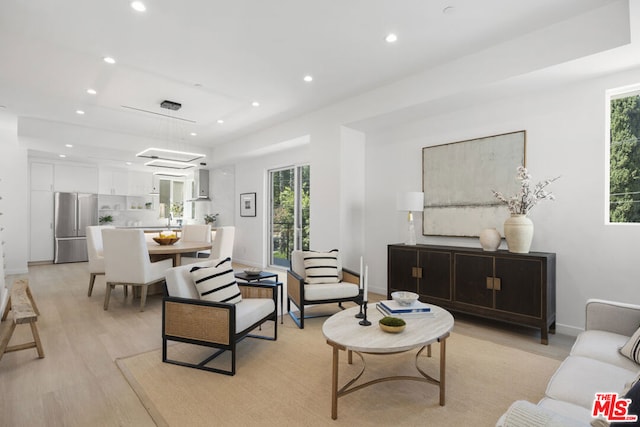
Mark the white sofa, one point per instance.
(594, 365)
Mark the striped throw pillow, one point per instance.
(321, 267)
(217, 284)
(632, 348)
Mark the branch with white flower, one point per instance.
(527, 197)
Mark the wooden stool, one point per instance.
(25, 310)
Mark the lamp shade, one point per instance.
(411, 201)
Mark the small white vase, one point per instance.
(518, 231)
(490, 239)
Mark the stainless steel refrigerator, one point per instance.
(73, 212)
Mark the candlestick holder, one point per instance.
(360, 315)
(364, 321)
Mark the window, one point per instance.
(289, 213)
(624, 155)
(171, 198)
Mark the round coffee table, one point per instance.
(343, 332)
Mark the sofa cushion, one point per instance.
(631, 348)
(321, 267)
(218, 283)
(251, 310)
(603, 346)
(323, 291)
(578, 379)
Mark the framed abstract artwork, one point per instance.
(457, 179)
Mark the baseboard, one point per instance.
(572, 331)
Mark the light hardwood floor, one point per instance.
(78, 382)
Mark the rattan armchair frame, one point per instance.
(295, 295)
(212, 324)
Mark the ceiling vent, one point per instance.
(170, 105)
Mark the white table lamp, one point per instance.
(410, 202)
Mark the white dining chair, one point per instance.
(221, 247)
(127, 263)
(95, 252)
(196, 233)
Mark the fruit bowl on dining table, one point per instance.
(166, 239)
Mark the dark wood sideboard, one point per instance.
(514, 288)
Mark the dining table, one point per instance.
(175, 251)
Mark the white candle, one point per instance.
(366, 279)
(361, 278)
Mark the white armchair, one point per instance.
(126, 260)
(343, 288)
(188, 319)
(95, 252)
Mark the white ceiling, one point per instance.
(216, 57)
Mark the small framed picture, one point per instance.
(248, 204)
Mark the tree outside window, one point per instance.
(624, 161)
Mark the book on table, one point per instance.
(385, 312)
(394, 307)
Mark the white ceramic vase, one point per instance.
(490, 239)
(518, 231)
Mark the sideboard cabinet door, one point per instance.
(435, 270)
(401, 269)
(520, 286)
(471, 273)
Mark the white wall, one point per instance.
(565, 136)
(251, 244)
(13, 190)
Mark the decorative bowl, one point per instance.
(166, 240)
(404, 297)
(392, 324)
(252, 271)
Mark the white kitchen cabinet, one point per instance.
(41, 176)
(72, 178)
(140, 183)
(41, 226)
(113, 181)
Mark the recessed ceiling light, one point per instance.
(91, 91)
(80, 112)
(220, 121)
(194, 134)
(68, 145)
(138, 6)
(308, 78)
(391, 38)
(62, 155)
(255, 104)
(109, 60)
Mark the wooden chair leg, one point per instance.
(143, 296)
(92, 280)
(107, 296)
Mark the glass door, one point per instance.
(289, 213)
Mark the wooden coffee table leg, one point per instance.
(334, 384)
(443, 353)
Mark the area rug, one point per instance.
(288, 383)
